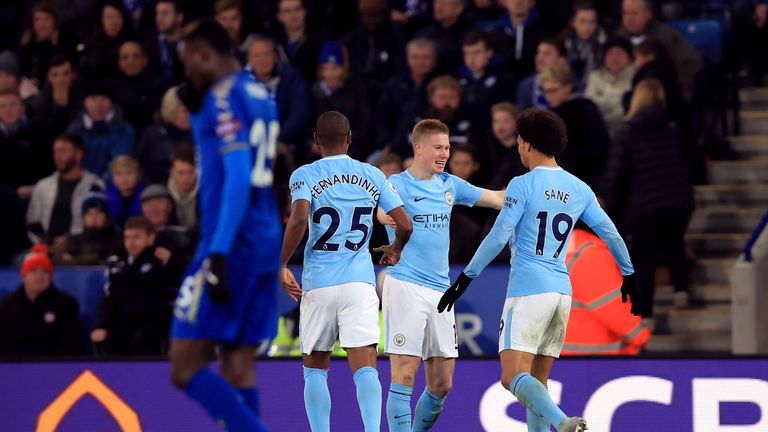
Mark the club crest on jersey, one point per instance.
(449, 197)
(399, 339)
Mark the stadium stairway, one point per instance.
(728, 209)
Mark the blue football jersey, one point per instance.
(238, 115)
(343, 194)
(424, 260)
(538, 216)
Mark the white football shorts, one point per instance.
(535, 323)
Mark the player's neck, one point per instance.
(225, 68)
(543, 161)
(420, 172)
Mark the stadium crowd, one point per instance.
(97, 161)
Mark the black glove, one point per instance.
(629, 288)
(215, 275)
(190, 96)
(454, 292)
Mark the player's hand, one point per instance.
(289, 284)
(391, 255)
(629, 288)
(215, 276)
(454, 292)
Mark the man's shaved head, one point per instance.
(332, 129)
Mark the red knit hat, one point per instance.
(37, 258)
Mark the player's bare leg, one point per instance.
(317, 398)
(237, 368)
(362, 361)
(516, 368)
(404, 369)
(439, 374)
(187, 357)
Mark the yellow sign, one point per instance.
(88, 383)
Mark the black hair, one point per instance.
(544, 130)
(59, 59)
(557, 43)
(73, 138)
(208, 31)
(332, 128)
(476, 36)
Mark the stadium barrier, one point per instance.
(626, 395)
(749, 287)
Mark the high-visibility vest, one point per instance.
(599, 324)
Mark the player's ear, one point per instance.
(348, 138)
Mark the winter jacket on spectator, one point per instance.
(529, 93)
(448, 42)
(607, 90)
(120, 208)
(50, 118)
(302, 54)
(376, 56)
(154, 149)
(292, 97)
(138, 96)
(518, 57)
(584, 56)
(588, 141)
(49, 326)
(648, 168)
(351, 100)
(136, 307)
(93, 246)
(103, 140)
(44, 197)
(479, 94)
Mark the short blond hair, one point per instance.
(560, 74)
(170, 105)
(507, 107)
(426, 128)
(123, 161)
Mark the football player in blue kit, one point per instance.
(336, 197)
(538, 217)
(227, 299)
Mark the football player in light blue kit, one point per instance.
(412, 288)
(228, 297)
(540, 210)
(337, 196)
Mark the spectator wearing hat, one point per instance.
(124, 190)
(100, 237)
(607, 85)
(136, 89)
(287, 86)
(174, 240)
(59, 100)
(105, 134)
(335, 90)
(55, 208)
(11, 78)
(161, 139)
(183, 187)
(38, 319)
(135, 312)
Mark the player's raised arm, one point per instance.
(598, 220)
(294, 232)
(491, 199)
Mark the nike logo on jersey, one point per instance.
(402, 415)
(417, 199)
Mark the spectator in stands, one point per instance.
(298, 46)
(448, 30)
(288, 86)
(135, 312)
(639, 25)
(105, 133)
(59, 99)
(549, 53)
(23, 143)
(161, 139)
(757, 42)
(652, 62)
(588, 140)
(136, 89)
(100, 237)
(11, 78)
(464, 163)
(183, 187)
(124, 190)
(335, 91)
(584, 43)
(165, 43)
(404, 96)
(517, 35)
(157, 207)
(486, 14)
(390, 163)
(599, 324)
(55, 208)
(229, 14)
(501, 151)
(606, 86)
(40, 41)
(38, 319)
(648, 186)
(102, 50)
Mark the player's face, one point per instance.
(585, 23)
(136, 240)
(504, 126)
(433, 152)
(477, 56)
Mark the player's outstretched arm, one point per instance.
(601, 224)
(491, 199)
(403, 230)
(294, 232)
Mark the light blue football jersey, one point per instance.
(538, 216)
(424, 260)
(343, 195)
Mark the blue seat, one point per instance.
(705, 35)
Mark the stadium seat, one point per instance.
(705, 35)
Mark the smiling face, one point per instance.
(431, 152)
